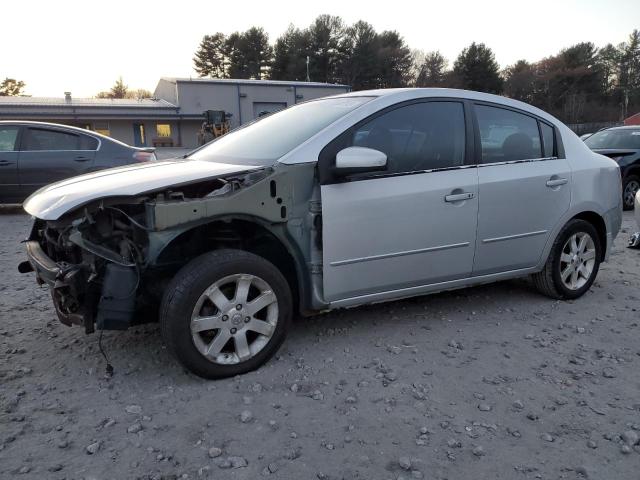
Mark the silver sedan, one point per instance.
(337, 202)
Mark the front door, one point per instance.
(139, 137)
(49, 155)
(524, 189)
(9, 183)
(413, 225)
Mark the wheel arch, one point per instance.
(588, 212)
(243, 232)
(633, 169)
(599, 224)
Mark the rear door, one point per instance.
(9, 183)
(414, 224)
(48, 155)
(524, 188)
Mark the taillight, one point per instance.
(144, 156)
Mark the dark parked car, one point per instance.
(34, 154)
(622, 144)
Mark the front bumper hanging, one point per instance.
(109, 303)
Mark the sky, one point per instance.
(84, 46)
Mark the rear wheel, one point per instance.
(226, 313)
(573, 262)
(630, 188)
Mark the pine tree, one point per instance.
(210, 59)
(10, 87)
(119, 89)
(476, 69)
(432, 71)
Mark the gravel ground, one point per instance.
(494, 382)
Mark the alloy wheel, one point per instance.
(630, 190)
(234, 319)
(577, 260)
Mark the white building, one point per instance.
(175, 114)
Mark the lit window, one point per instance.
(102, 128)
(163, 130)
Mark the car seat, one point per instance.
(518, 146)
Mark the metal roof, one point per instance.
(236, 81)
(84, 102)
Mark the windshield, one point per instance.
(627, 139)
(269, 138)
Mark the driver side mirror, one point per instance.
(353, 160)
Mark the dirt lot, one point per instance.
(495, 382)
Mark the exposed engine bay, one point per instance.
(108, 262)
(100, 256)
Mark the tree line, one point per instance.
(581, 83)
(120, 90)
(10, 87)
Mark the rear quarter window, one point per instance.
(548, 141)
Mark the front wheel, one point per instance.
(226, 313)
(573, 262)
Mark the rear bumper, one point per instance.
(613, 223)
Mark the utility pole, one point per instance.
(308, 79)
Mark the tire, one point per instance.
(549, 281)
(630, 187)
(218, 327)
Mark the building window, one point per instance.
(163, 130)
(102, 128)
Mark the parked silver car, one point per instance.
(338, 202)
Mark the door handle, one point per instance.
(4, 163)
(459, 197)
(556, 182)
(81, 159)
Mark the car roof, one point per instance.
(404, 94)
(61, 126)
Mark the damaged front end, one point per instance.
(108, 262)
(92, 263)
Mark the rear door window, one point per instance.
(52, 140)
(8, 136)
(506, 135)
